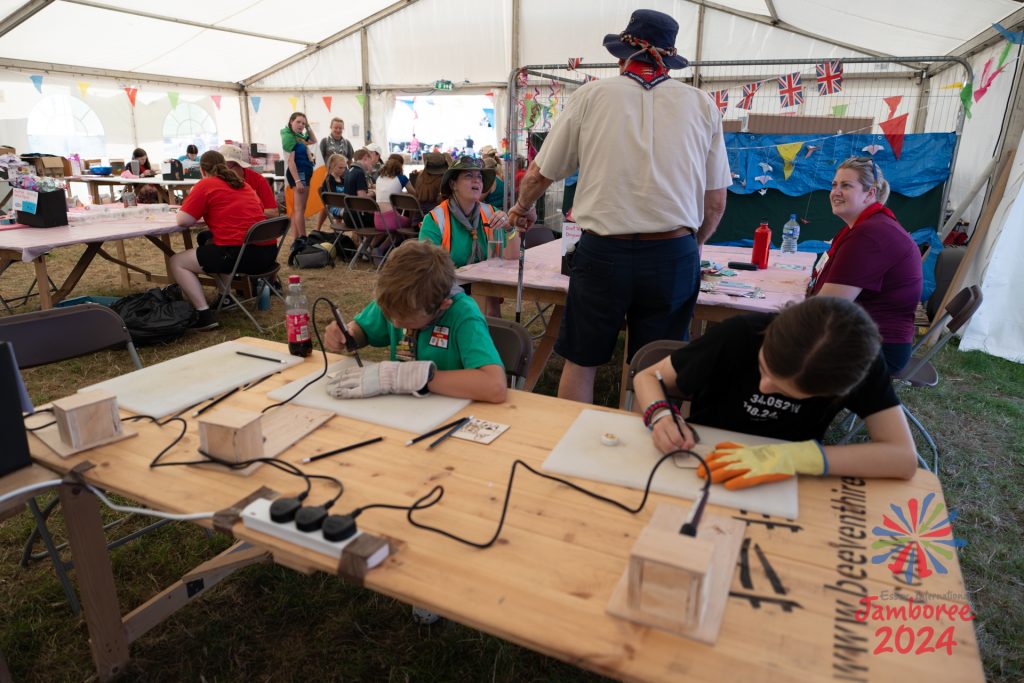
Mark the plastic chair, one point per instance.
(264, 231)
(356, 208)
(514, 347)
(59, 334)
(646, 356)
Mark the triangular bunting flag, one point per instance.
(131, 93)
(788, 152)
(893, 103)
(38, 82)
(894, 130)
(361, 99)
(216, 100)
(1004, 54)
(840, 109)
(173, 97)
(966, 99)
(256, 103)
(587, 78)
(986, 80)
(490, 94)
(83, 87)
(574, 63)
(327, 101)
(953, 86)
(1012, 36)
(294, 101)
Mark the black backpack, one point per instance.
(156, 316)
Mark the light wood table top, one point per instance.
(547, 580)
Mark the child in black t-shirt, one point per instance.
(784, 376)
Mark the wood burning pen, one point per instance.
(350, 341)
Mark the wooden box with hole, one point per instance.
(231, 434)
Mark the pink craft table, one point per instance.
(784, 281)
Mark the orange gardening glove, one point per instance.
(742, 466)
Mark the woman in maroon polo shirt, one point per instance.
(873, 260)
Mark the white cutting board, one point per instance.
(580, 453)
(404, 412)
(169, 387)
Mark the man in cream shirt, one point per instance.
(652, 186)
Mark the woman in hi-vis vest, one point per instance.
(466, 228)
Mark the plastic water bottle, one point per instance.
(263, 300)
(297, 318)
(790, 235)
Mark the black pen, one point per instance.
(214, 402)
(434, 432)
(456, 427)
(350, 341)
(256, 355)
(343, 449)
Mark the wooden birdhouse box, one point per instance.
(87, 419)
(231, 434)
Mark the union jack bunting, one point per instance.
(587, 78)
(749, 90)
(721, 99)
(791, 91)
(574, 62)
(830, 77)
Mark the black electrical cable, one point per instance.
(689, 527)
(323, 350)
(42, 426)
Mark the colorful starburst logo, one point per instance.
(917, 537)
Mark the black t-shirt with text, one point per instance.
(355, 180)
(719, 373)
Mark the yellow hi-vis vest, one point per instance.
(443, 217)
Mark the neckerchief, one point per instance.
(471, 223)
(647, 75)
(841, 237)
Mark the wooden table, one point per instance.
(545, 584)
(784, 281)
(164, 187)
(31, 245)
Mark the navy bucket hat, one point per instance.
(648, 31)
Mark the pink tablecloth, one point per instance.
(33, 242)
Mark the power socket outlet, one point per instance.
(256, 516)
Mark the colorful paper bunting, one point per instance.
(294, 101)
(830, 77)
(788, 153)
(840, 109)
(894, 130)
(173, 97)
(216, 100)
(131, 92)
(574, 63)
(327, 101)
(986, 79)
(256, 103)
(721, 98)
(749, 90)
(587, 78)
(966, 97)
(1012, 36)
(791, 90)
(83, 87)
(953, 86)
(893, 103)
(38, 82)
(361, 99)
(1004, 54)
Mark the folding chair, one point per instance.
(264, 231)
(336, 200)
(407, 205)
(357, 207)
(536, 236)
(646, 356)
(514, 347)
(43, 337)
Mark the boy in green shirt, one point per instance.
(437, 336)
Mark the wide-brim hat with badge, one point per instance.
(434, 163)
(465, 164)
(649, 36)
(233, 153)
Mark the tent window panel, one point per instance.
(61, 124)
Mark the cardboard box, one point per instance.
(46, 166)
(51, 211)
(808, 125)
(4, 149)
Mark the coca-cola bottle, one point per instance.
(297, 318)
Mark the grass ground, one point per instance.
(268, 623)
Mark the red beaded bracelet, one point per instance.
(653, 408)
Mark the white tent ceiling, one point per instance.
(231, 41)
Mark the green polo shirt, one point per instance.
(458, 340)
(462, 241)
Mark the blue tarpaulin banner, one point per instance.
(757, 162)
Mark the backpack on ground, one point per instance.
(156, 316)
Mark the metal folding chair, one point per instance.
(646, 356)
(536, 236)
(407, 205)
(264, 231)
(514, 347)
(356, 208)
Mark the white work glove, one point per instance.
(386, 377)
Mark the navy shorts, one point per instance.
(220, 259)
(651, 284)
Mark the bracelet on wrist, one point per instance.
(658, 414)
(652, 409)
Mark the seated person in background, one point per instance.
(334, 181)
(230, 208)
(428, 183)
(785, 376)
(233, 158)
(357, 184)
(190, 159)
(873, 260)
(145, 194)
(429, 323)
(495, 195)
(376, 162)
(390, 181)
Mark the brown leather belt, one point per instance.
(672, 234)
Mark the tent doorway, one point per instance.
(463, 123)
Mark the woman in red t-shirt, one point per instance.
(229, 207)
(873, 260)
